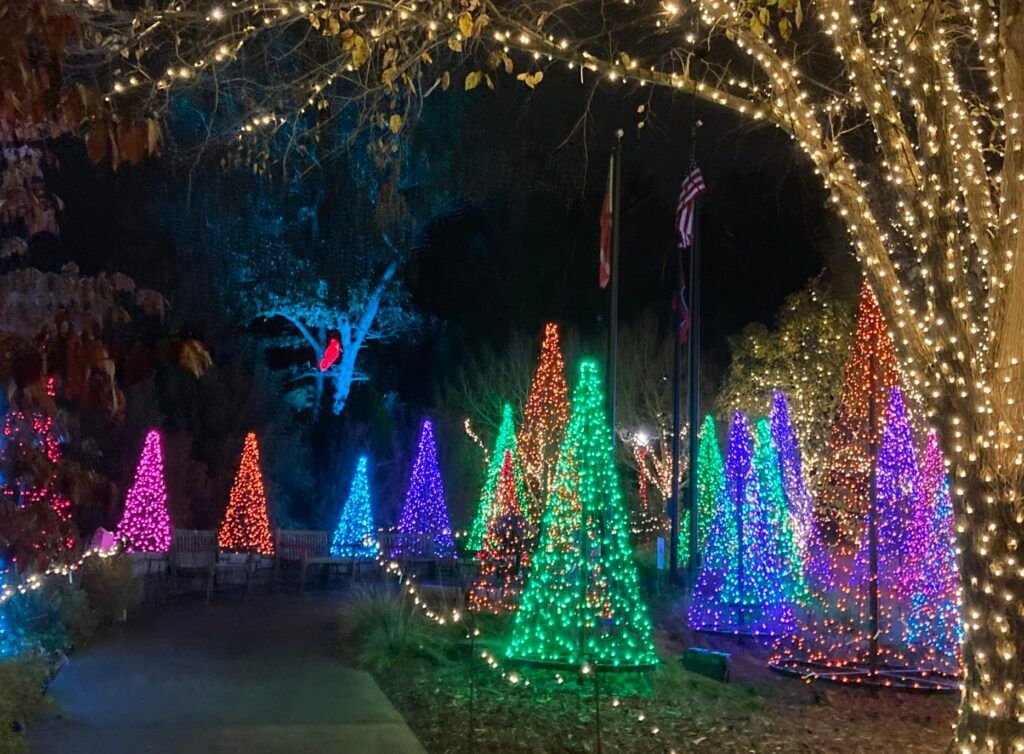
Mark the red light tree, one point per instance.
(504, 556)
(246, 526)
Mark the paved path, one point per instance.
(190, 679)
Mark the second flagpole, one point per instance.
(613, 314)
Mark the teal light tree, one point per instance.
(739, 587)
(710, 487)
(505, 442)
(781, 524)
(582, 601)
(355, 536)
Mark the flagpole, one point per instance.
(693, 382)
(677, 358)
(613, 316)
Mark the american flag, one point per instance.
(682, 310)
(692, 187)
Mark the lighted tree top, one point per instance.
(871, 373)
(246, 525)
(504, 556)
(740, 586)
(424, 518)
(505, 442)
(545, 417)
(355, 535)
(582, 602)
(146, 525)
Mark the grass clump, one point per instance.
(22, 683)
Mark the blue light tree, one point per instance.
(355, 536)
(739, 587)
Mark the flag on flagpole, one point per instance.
(693, 186)
(604, 272)
(679, 305)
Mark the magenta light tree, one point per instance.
(424, 526)
(145, 525)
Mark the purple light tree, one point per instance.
(145, 525)
(425, 511)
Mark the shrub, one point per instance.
(50, 619)
(109, 588)
(21, 696)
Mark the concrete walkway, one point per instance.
(190, 679)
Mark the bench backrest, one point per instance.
(412, 545)
(295, 544)
(193, 548)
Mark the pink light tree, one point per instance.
(145, 525)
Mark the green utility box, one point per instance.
(708, 663)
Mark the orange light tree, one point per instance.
(545, 418)
(246, 525)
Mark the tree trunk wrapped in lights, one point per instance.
(582, 602)
(246, 525)
(486, 507)
(424, 522)
(355, 535)
(545, 417)
(146, 525)
(740, 585)
(504, 556)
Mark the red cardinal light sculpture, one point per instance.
(331, 354)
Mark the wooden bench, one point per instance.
(193, 553)
(306, 548)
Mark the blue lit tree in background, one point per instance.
(739, 588)
(356, 536)
(424, 521)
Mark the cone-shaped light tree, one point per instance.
(355, 535)
(545, 417)
(504, 443)
(934, 628)
(424, 521)
(505, 555)
(145, 524)
(813, 555)
(582, 601)
(710, 486)
(6, 640)
(871, 373)
(781, 526)
(246, 525)
(739, 587)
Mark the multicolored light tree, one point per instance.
(145, 525)
(355, 535)
(740, 585)
(582, 601)
(710, 488)
(425, 514)
(486, 508)
(871, 373)
(813, 554)
(246, 525)
(781, 526)
(504, 557)
(545, 417)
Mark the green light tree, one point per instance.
(710, 486)
(505, 443)
(582, 601)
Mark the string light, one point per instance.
(354, 536)
(710, 488)
(145, 525)
(246, 525)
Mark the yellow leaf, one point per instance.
(446, 81)
(756, 26)
(785, 28)
(531, 79)
(360, 51)
(508, 63)
(455, 44)
(481, 21)
(388, 75)
(640, 108)
(314, 21)
(425, 57)
(490, 84)
(466, 24)
(395, 124)
(389, 56)
(473, 80)
(333, 27)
